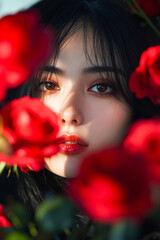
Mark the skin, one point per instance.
(86, 109)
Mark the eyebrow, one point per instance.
(53, 69)
(97, 69)
(92, 69)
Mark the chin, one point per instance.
(63, 165)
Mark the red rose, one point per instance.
(31, 128)
(112, 184)
(144, 136)
(145, 80)
(24, 45)
(3, 220)
(150, 7)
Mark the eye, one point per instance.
(48, 86)
(102, 88)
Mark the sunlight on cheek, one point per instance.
(110, 127)
(51, 102)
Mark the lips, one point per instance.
(71, 144)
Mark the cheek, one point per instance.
(110, 124)
(52, 102)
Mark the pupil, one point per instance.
(101, 88)
(49, 86)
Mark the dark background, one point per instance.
(9, 185)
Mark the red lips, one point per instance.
(71, 144)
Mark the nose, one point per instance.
(71, 115)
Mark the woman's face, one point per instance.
(90, 115)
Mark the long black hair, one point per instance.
(118, 42)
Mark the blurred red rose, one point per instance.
(111, 185)
(145, 80)
(144, 136)
(3, 220)
(31, 128)
(24, 46)
(150, 7)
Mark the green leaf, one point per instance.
(9, 171)
(101, 231)
(17, 236)
(18, 215)
(7, 230)
(2, 167)
(56, 214)
(15, 169)
(81, 234)
(124, 231)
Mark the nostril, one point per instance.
(74, 121)
(70, 120)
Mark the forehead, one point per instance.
(77, 50)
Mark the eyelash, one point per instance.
(54, 87)
(102, 85)
(43, 85)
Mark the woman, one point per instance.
(98, 45)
